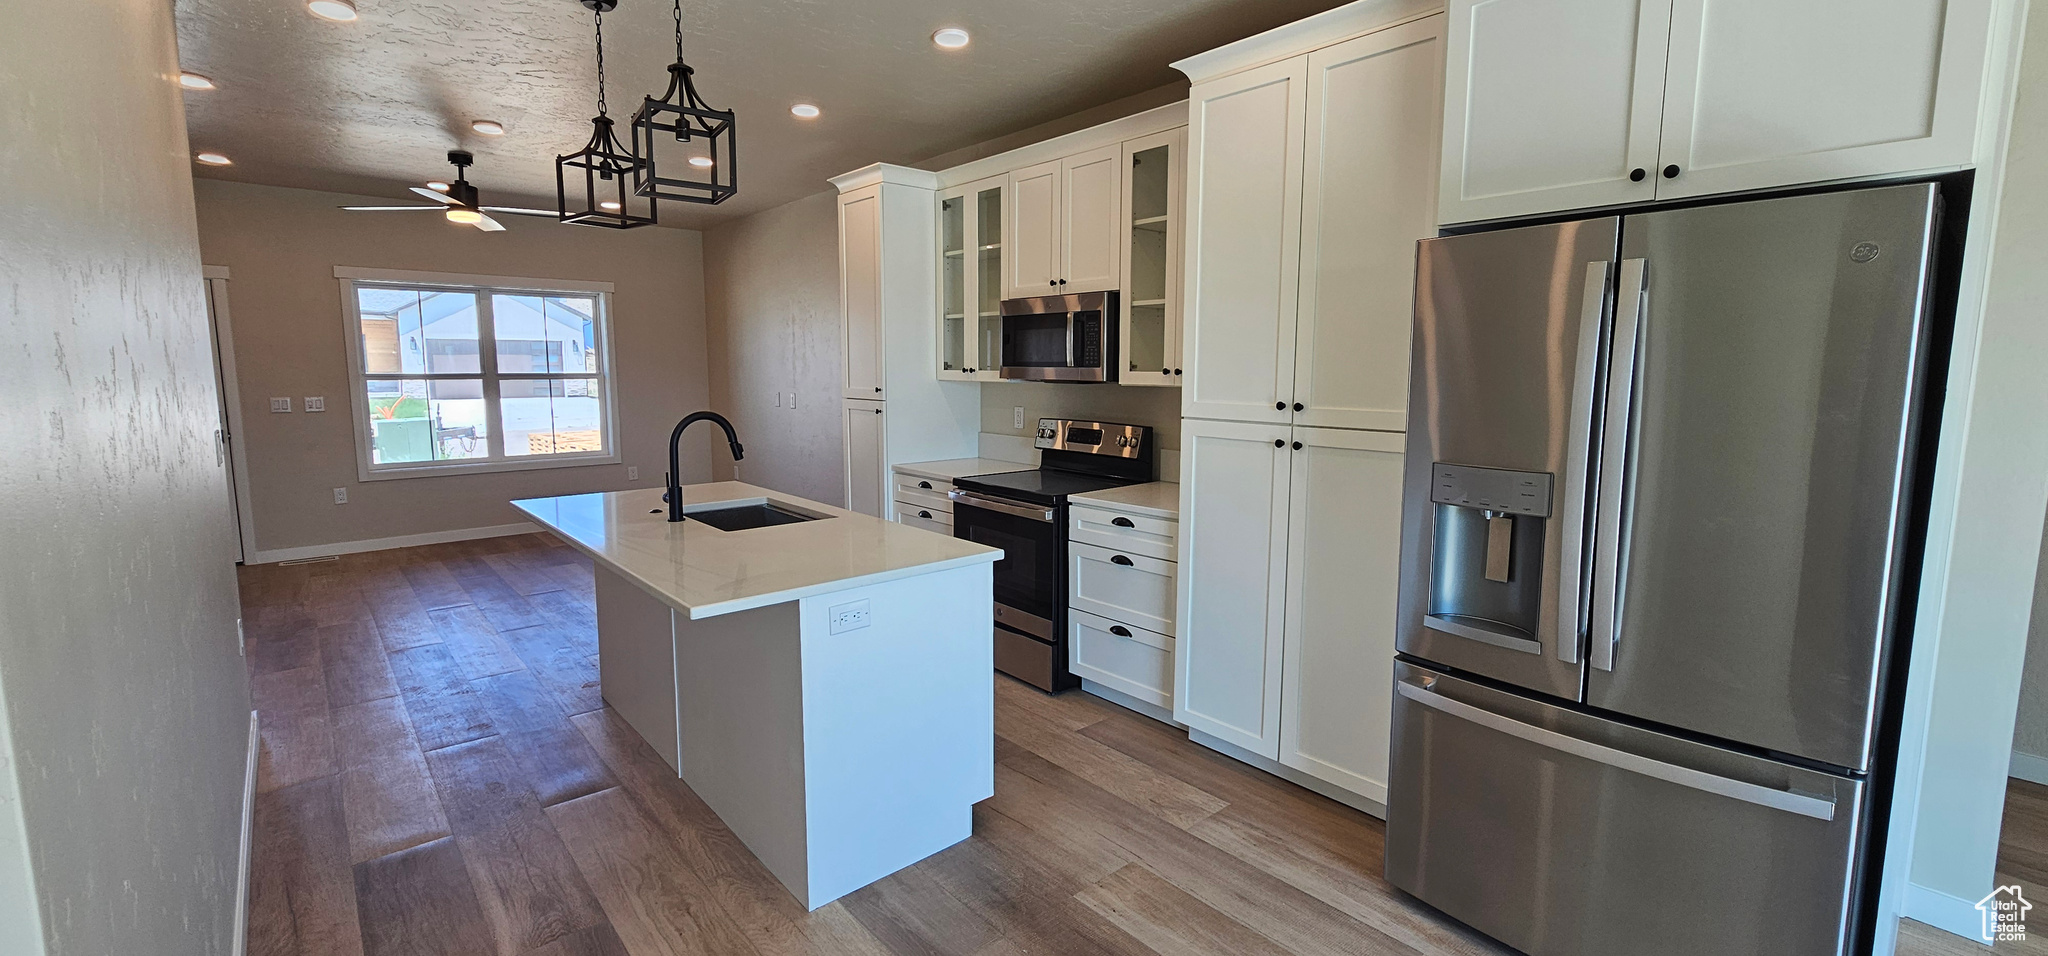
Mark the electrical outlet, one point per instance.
(316, 403)
(341, 496)
(792, 400)
(1017, 416)
(632, 472)
(847, 617)
(241, 639)
(280, 404)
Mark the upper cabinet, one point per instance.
(971, 281)
(1064, 235)
(1556, 106)
(1152, 220)
(860, 293)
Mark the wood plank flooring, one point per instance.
(439, 775)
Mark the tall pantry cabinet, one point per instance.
(893, 409)
(1311, 173)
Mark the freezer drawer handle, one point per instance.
(1799, 803)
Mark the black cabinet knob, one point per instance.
(1636, 175)
(1063, 282)
(878, 411)
(925, 485)
(878, 388)
(1122, 522)
(1176, 371)
(1279, 443)
(1671, 172)
(1166, 371)
(924, 514)
(1297, 446)
(1052, 282)
(1297, 406)
(1119, 630)
(1280, 406)
(1119, 559)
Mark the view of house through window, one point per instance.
(461, 377)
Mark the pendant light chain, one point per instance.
(600, 63)
(679, 31)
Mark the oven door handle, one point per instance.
(973, 500)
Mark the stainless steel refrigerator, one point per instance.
(1657, 510)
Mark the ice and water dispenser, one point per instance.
(1487, 580)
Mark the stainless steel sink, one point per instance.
(743, 517)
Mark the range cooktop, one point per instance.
(1042, 486)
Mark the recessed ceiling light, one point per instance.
(341, 10)
(701, 162)
(950, 38)
(488, 127)
(804, 111)
(437, 186)
(464, 216)
(214, 159)
(194, 81)
(608, 206)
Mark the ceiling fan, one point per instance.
(459, 203)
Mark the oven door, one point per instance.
(1030, 583)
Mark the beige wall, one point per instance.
(281, 247)
(772, 281)
(1157, 407)
(126, 712)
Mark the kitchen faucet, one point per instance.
(674, 496)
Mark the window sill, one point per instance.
(445, 469)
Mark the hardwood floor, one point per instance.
(440, 775)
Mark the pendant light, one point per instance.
(604, 166)
(702, 165)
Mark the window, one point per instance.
(477, 373)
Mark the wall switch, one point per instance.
(792, 399)
(1017, 416)
(316, 403)
(280, 404)
(341, 496)
(241, 639)
(632, 472)
(851, 616)
(778, 399)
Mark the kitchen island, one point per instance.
(824, 683)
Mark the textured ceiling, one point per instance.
(370, 107)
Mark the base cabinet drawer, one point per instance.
(926, 518)
(1122, 587)
(1133, 660)
(1123, 531)
(927, 493)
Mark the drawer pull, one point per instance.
(924, 514)
(1119, 630)
(1120, 559)
(926, 485)
(1122, 522)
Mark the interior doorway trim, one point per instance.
(221, 320)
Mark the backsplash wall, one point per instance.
(1158, 408)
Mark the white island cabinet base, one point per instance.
(837, 759)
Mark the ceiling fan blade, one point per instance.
(488, 224)
(390, 208)
(522, 211)
(430, 194)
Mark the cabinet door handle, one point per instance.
(1279, 443)
(1119, 630)
(1297, 406)
(878, 388)
(1166, 371)
(924, 514)
(878, 411)
(1671, 172)
(1637, 174)
(926, 485)
(1297, 446)
(1279, 406)
(1120, 559)
(1122, 522)
(1176, 371)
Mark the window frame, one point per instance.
(483, 287)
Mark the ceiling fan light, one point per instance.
(340, 11)
(195, 81)
(467, 217)
(950, 38)
(488, 127)
(438, 186)
(214, 159)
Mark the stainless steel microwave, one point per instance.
(1060, 338)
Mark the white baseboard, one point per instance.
(1358, 802)
(2028, 767)
(385, 544)
(1944, 912)
(248, 839)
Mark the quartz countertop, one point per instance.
(953, 468)
(1160, 499)
(704, 572)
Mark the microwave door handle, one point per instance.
(1579, 462)
(1610, 560)
(1070, 338)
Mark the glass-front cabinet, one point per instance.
(1153, 204)
(971, 281)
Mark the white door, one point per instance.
(867, 486)
(1233, 570)
(1343, 569)
(1091, 216)
(1374, 105)
(860, 292)
(1550, 105)
(1763, 93)
(1032, 243)
(1244, 243)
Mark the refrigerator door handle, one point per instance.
(1819, 808)
(1571, 584)
(1609, 563)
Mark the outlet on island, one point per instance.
(851, 616)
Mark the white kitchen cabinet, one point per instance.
(860, 293)
(1126, 659)
(1154, 201)
(971, 286)
(867, 481)
(1125, 587)
(1368, 193)
(1343, 572)
(1233, 574)
(1245, 139)
(1064, 231)
(1032, 242)
(1553, 106)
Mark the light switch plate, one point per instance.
(280, 404)
(632, 472)
(1016, 416)
(792, 400)
(778, 399)
(851, 616)
(316, 403)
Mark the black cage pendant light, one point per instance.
(603, 171)
(699, 155)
